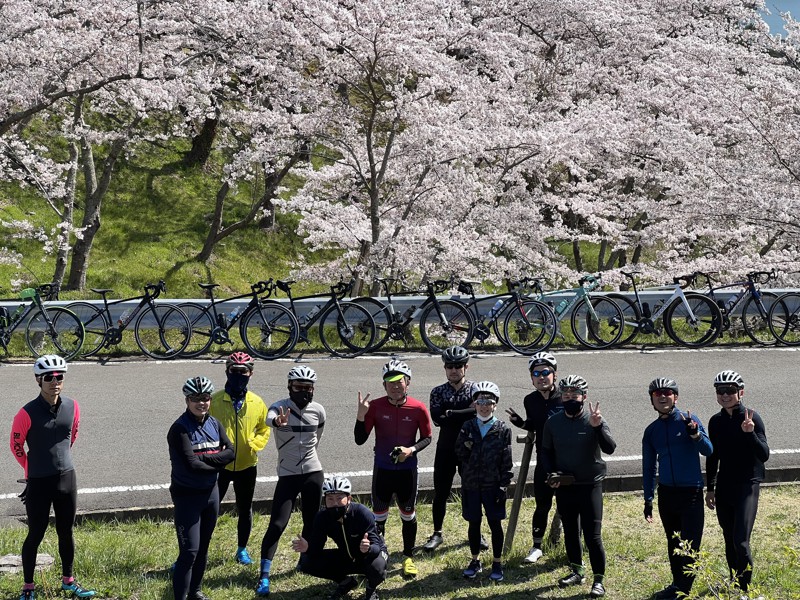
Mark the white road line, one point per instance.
(121, 489)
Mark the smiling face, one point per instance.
(543, 377)
(485, 405)
(664, 400)
(198, 405)
(728, 396)
(397, 390)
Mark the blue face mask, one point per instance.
(236, 386)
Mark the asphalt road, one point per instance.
(128, 406)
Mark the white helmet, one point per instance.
(49, 363)
(729, 378)
(337, 485)
(302, 373)
(198, 385)
(486, 387)
(574, 381)
(396, 367)
(542, 358)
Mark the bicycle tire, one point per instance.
(600, 319)
(347, 331)
(703, 330)
(458, 331)
(381, 316)
(162, 331)
(631, 315)
(530, 327)
(202, 324)
(62, 336)
(755, 319)
(95, 324)
(784, 319)
(269, 330)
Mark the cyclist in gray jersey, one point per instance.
(297, 423)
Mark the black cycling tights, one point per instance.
(474, 537)
(737, 506)
(60, 492)
(244, 486)
(195, 520)
(581, 507)
(309, 487)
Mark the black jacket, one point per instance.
(347, 533)
(738, 456)
(485, 461)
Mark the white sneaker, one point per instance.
(534, 556)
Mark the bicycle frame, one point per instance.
(113, 334)
(307, 321)
(35, 304)
(222, 322)
(484, 323)
(647, 323)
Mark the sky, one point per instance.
(775, 7)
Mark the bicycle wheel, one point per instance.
(95, 324)
(58, 332)
(269, 330)
(697, 328)
(455, 326)
(597, 322)
(202, 324)
(755, 318)
(631, 316)
(530, 327)
(380, 315)
(162, 331)
(347, 331)
(784, 319)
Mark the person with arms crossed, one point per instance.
(360, 549)
(243, 414)
(298, 422)
(539, 405)
(397, 419)
(671, 446)
(450, 406)
(735, 471)
(198, 450)
(484, 448)
(48, 426)
(571, 445)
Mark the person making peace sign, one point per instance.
(735, 471)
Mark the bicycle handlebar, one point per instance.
(762, 277)
(154, 290)
(263, 287)
(688, 280)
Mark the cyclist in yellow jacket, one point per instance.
(244, 416)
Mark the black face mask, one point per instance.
(236, 385)
(301, 399)
(573, 407)
(337, 512)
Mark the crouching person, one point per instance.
(360, 548)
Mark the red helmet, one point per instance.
(240, 358)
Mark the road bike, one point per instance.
(491, 322)
(345, 328)
(749, 303)
(690, 319)
(48, 329)
(442, 323)
(595, 321)
(268, 330)
(161, 330)
(784, 319)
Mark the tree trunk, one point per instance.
(202, 144)
(576, 254)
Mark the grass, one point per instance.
(130, 559)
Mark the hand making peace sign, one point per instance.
(363, 406)
(282, 420)
(747, 425)
(595, 418)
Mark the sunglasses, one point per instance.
(542, 373)
(722, 391)
(453, 366)
(198, 398)
(663, 393)
(51, 377)
(484, 401)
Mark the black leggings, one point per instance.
(335, 564)
(445, 465)
(581, 507)
(244, 486)
(309, 487)
(737, 505)
(682, 510)
(61, 492)
(195, 519)
(543, 494)
(474, 537)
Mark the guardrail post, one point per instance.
(519, 490)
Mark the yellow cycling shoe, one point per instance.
(409, 568)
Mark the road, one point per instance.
(128, 406)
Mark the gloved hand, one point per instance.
(648, 511)
(24, 495)
(691, 425)
(502, 494)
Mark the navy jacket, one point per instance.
(197, 451)
(347, 533)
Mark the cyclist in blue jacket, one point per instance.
(671, 446)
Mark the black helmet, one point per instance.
(456, 354)
(662, 383)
